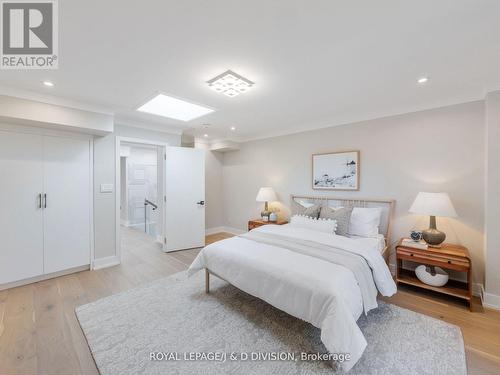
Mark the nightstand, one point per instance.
(448, 256)
(252, 224)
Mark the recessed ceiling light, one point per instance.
(48, 83)
(178, 109)
(233, 128)
(205, 135)
(230, 83)
(423, 80)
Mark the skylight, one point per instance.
(178, 109)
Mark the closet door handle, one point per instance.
(39, 200)
(45, 200)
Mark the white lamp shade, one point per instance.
(266, 194)
(433, 204)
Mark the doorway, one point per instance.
(139, 188)
(140, 194)
(172, 216)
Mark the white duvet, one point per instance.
(322, 293)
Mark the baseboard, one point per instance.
(43, 277)
(224, 229)
(105, 262)
(491, 301)
(214, 230)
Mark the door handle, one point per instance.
(201, 203)
(39, 200)
(45, 200)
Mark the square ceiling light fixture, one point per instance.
(230, 83)
(178, 109)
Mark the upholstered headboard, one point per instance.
(387, 206)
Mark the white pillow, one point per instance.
(365, 221)
(320, 225)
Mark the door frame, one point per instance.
(161, 192)
(42, 131)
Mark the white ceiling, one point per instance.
(314, 63)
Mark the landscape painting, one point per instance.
(336, 171)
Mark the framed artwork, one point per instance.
(335, 171)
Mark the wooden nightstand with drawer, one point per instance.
(252, 224)
(448, 256)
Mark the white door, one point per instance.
(67, 203)
(21, 228)
(185, 198)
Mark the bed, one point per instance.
(325, 279)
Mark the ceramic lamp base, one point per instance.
(433, 236)
(265, 215)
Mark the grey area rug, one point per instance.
(174, 315)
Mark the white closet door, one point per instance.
(67, 204)
(21, 228)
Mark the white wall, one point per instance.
(492, 296)
(214, 195)
(435, 150)
(104, 173)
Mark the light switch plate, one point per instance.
(106, 188)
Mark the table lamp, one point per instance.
(266, 194)
(433, 204)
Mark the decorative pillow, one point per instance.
(306, 208)
(305, 204)
(341, 214)
(311, 211)
(320, 225)
(365, 221)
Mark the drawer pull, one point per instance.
(411, 254)
(449, 262)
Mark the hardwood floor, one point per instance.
(39, 333)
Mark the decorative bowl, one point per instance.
(425, 276)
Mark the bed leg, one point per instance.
(207, 281)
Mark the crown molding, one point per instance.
(354, 120)
(54, 100)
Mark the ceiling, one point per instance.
(314, 64)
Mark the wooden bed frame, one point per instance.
(387, 206)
